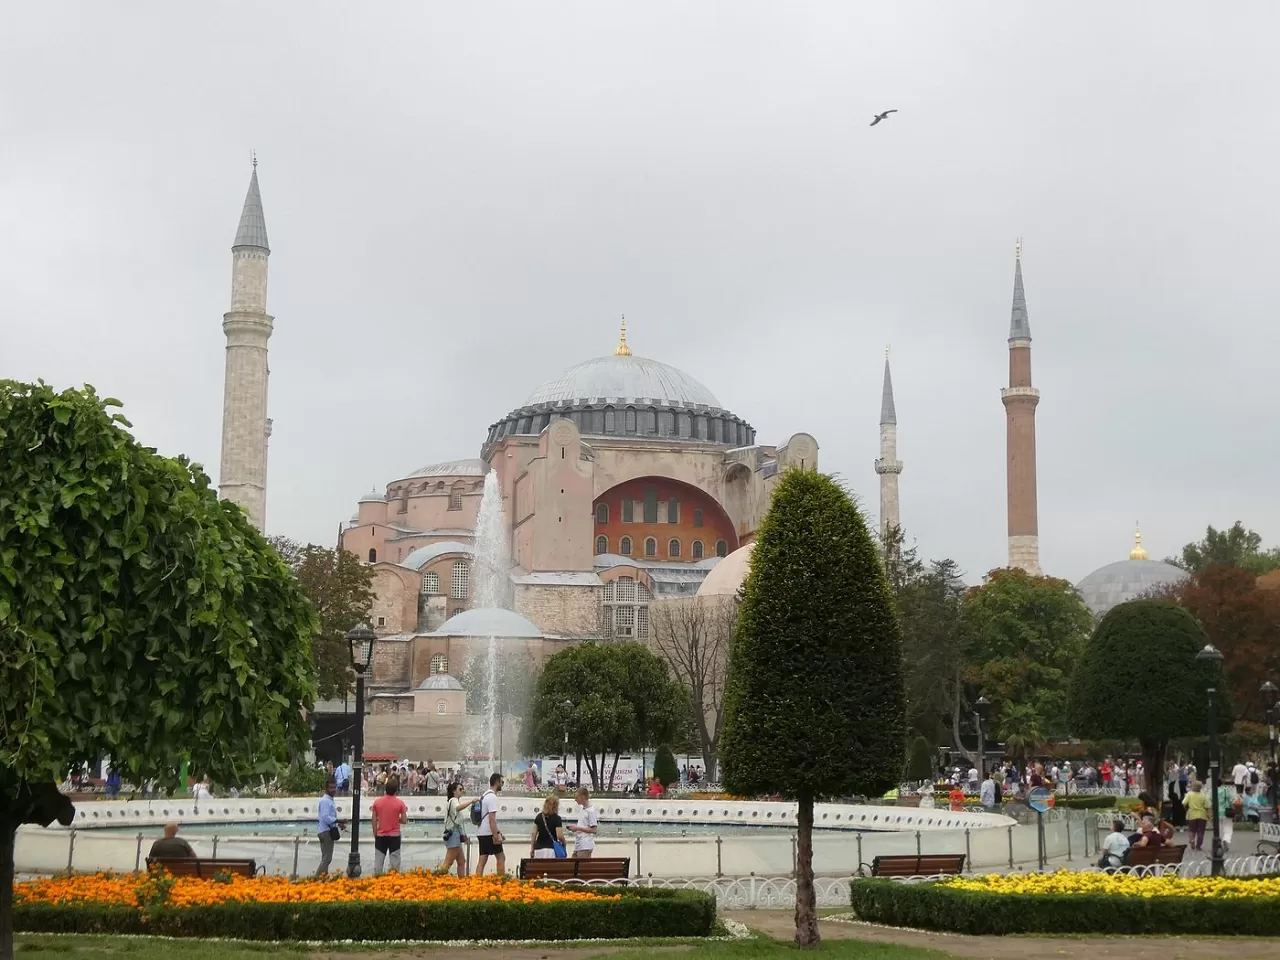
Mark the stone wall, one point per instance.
(560, 609)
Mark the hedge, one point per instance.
(641, 912)
(933, 906)
(1088, 801)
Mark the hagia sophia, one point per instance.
(625, 483)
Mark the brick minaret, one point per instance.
(245, 427)
(888, 465)
(1020, 399)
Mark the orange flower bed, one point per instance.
(417, 887)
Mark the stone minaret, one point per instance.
(1020, 399)
(888, 465)
(245, 426)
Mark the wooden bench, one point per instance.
(1269, 836)
(927, 865)
(597, 868)
(206, 869)
(1146, 856)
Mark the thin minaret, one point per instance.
(888, 465)
(247, 326)
(1020, 399)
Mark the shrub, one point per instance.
(920, 765)
(302, 780)
(935, 906)
(665, 770)
(639, 912)
(1090, 801)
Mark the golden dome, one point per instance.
(623, 350)
(1137, 553)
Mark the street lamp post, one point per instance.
(360, 644)
(1271, 696)
(1212, 658)
(980, 711)
(567, 706)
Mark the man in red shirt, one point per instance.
(388, 813)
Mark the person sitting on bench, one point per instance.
(171, 846)
(1148, 836)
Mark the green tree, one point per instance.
(665, 769)
(1021, 728)
(1153, 645)
(1022, 636)
(139, 616)
(340, 589)
(920, 765)
(815, 670)
(1235, 547)
(620, 699)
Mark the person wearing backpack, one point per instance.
(485, 816)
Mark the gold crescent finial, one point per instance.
(1017, 250)
(1137, 553)
(623, 350)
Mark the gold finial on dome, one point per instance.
(623, 350)
(1137, 553)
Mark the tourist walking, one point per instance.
(388, 813)
(489, 835)
(328, 826)
(1197, 807)
(584, 831)
(454, 834)
(547, 838)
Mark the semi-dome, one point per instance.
(440, 681)
(419, 558)
(488, 622)
(625, 378)
(727, 576)
(1126, 580)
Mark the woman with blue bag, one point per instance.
(547, 839)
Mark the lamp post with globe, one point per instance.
(1211, 657)
(360, 645)
(980, 711)
(1271, 697)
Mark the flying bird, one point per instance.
(882, 116)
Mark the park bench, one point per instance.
(205, 868)
(597, 868)
(1146, 856)
(1269, 836)
(926, 865)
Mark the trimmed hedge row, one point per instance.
(934, 906)
(641, 912)
(1086, 802)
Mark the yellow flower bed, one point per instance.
(416, 887)
(1118, 884)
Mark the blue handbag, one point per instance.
(558, 847)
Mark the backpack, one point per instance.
(477, 816)
(1253, 777)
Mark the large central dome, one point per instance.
(624, 378)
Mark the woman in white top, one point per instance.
(453, 833)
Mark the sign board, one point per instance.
(1040, 800)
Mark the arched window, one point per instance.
(650, 547)
(455, 497)
(686, 424)
(697, 549)
(431, 584)
(697, 518)
(459, 582)
(673, 510)
(373, 555)
(602, 513)
(439, 663)
(610, 420)
(651, 421)
(602, 545)
(631, 419)
(626, 589)
(722, 548)
(673, 547)
(624, 546)
(442, 707)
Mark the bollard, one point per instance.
(968, 851)
(71, 849)
(1068, 836)
(215, 846)
(917, 843)
(137, 857)
(858, 838)
(719, 862)
(638, 857)
(297, 842)
(795, 856)
(1010, 829)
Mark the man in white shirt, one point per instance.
(1115, 846)
(584, 831)
(973, 778)
(1240, 776)
(488, 835)
(989, 793)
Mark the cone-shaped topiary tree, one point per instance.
(1138, 679)
(815, 670)
(920, 765)
(665, 770)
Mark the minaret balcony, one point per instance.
(1009, 393)
(888, 466)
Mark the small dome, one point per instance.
(487, 622)
(440, 681)
(420, 557)
(727, 576)
(1126, 580)
(373, 496)
(624, 378)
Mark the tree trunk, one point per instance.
(1153, 753)
(806, 903)
(8, 839)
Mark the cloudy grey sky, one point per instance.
(461, 199)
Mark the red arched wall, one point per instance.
(715, 522)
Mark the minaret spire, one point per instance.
(888, 465)
(1020, 399)
(622, 350)
(245, 427)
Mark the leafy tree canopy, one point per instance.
(920, 760)
(815, 669)
(1022, 636)
(665, 770)
(340, 589)
(1235, 547)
